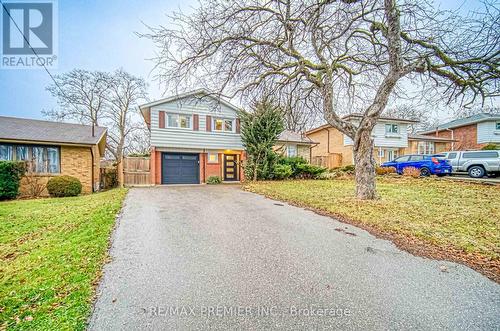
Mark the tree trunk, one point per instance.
(365, 166)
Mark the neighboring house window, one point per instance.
(39, 160)
(391, 128)
(291, 150)
(5, 152)
(392, 154)
(425, 147)
(223, 124)
(53, 160)
(44, 159)
(179, 121)
(381, 152)
(213, 158)
(497, 126)
(22, 153)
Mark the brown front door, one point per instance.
(230, 167)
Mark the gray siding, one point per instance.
(486, 133)
(188, 138)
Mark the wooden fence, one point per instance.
(330, 161)
(136, 171)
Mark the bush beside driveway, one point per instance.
(440, 219)
(51, 255)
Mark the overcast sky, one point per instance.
(100, 35)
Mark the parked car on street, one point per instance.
(476, 163)
(428, 165)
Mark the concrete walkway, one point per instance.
(216, 257)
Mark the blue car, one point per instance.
(428, 164)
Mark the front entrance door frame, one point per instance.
(227, 159)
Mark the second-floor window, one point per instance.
(179, 121)
(392, 128)
(223, 124)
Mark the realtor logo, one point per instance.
(28, 34)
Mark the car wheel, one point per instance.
(424, 172)
(476, 172)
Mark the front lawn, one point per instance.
(438, 218)
(51, 255)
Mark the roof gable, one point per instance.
(210, 100)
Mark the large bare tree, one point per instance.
(81, 95)
(336, 56)
(102, 98)
(125, 92)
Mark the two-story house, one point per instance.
(390, 137)
(470, 133)
(194, 135)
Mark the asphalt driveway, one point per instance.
(216, 257)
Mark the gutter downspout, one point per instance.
(452, 137)
(328, 143)
(92, 166)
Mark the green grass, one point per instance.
(51, 255)
(461, 216)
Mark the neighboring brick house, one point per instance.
(194, 135)
(470, 133)
(292, 143)
(390, 138)
(389, 134)
(54, 149)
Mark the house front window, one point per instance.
(213, 158)
(179, 121)
(22, 153)
(5, 153)
(392, 154)
(223, 124)
(291, 150)
(42, 159)
(425, 147)
(392, 128)
(497, 127)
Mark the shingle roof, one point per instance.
(466, 121)
(290, 136)
(13, 128)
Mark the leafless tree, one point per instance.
(336, 56)
(138, 141)
(125, 92)
(81, 96)
(102, 98)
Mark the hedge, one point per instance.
(10, 177)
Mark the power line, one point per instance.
(38, 57)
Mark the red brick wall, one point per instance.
(466, 137)
(243, 157)
(158, 167)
